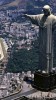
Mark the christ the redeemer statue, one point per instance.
(46, 23)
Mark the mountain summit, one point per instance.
(20, 3)
(27, 3)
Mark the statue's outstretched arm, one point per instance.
(32, 18)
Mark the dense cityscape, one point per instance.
(19, 51)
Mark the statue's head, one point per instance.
(47, 10)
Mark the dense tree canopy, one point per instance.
(23, 60)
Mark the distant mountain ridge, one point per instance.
(21, 3)
(27, 3)
(5, 1)
(12, 3)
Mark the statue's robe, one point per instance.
(46, 29)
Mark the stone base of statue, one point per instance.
(44, 81)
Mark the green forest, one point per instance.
(23, 59)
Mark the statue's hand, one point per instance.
(25, 15)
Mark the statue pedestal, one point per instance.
(44, 81)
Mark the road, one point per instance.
(19, 95)
(26, 90)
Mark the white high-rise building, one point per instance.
(3, 56)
